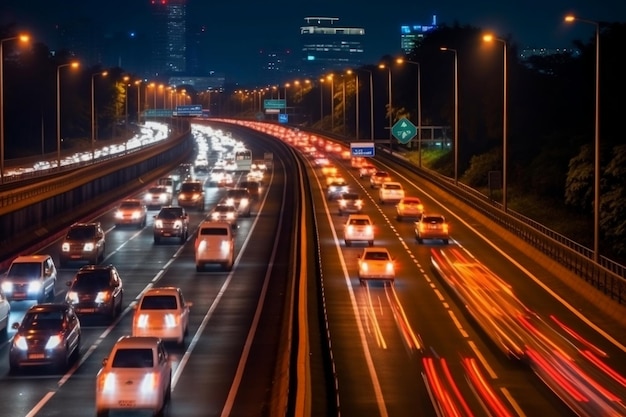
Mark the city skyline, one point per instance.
(236, 34)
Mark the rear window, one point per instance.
(376, 256)
(432, 219)
(393, 187)
(133, 358)
(237, 193)
(190, 187)
(349, 196)
(159, 302)
(214, 231)
(170, 213)
(359, 222)
(81, 232)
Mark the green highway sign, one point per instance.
(404, 130)
(274, 104)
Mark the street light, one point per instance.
(491, 38)
(390, 118)
(419, 107)
(93, 113)
(73, 65)
(356, 93)
(332, 102)
(321, 103)
(22, 38)
(596, 162)
(126, 78)
(138, 84)
(371, 102)
(456, 112)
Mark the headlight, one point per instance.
(343, 203)
(7, 286)
(389, 267)
(364, 266)
(148, 383)
(103, 296)
(20, 342)
(119, 214)
(171, 321)
(148, 197)
(65, 247)
(225, 246)
(72, 297)
(88, 247)
(34, 286)
(230, 201)
(369, 229)
(158, 224)
(136, 214)
(142, 321)
(215, 215)
(163, 197)
(243, 202)
(53, 342)
(178, 224)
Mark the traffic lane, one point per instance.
(405, 284)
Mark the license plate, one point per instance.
(166, 234)
(36, 356)
(85, 310)
(126, 403)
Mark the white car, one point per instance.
(5, 310)
(162, 312)
(376, 263)
(390, 192)
(215, 244)
(223, 212)
(136, 375)
(358, 227)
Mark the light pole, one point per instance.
(22, 38)
(491, 38)
(332, 102)
(138, 84)
(343, 101)
(371, 103)
(596, 160)
(125, 79)
(356, 93)
(456, 112)
(321, 103)
(73, 65)
(419, 107)
(93, 113)
(389, 110)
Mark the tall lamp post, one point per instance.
(356, 93)
(456, 112)
(321, 103)
(73, 65)
(332, 102)
(419, 107)
(371, 102)
(93, 112)
(22, 38)
(596, 160)
(125, 79)
(491, 38)
(389, 110)
(138, 84)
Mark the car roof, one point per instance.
(49, 307)
(92, 267)
(162, 291)
(392, 183)
(210, 223)
(359, 216)
(30, 258)
(137, 342)
(416, 199)
(375, 249)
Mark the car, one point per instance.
(255, 175)
(157, 197)
(168, 183)
(409, 207)
(83, 242)
(378, 178)
(224, 212)
(162, 312)
(367, 170)
(96, 290)
(333, 178)
(350, 203)
(390, 192)
(171, 222)
(253, 187)
(240, 198)
(336, 189)
(329, 170)
(191, 195)
(432, 226)
(376, 263)
(136, 375)
(49, 335)
(357, 161)
(214, 244)
(30, 277)
(358, 227)
(131, 212)
(226, 180)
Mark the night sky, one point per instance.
(244, 27)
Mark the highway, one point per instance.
(442, 340)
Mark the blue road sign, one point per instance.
(362, 149)
(283, 118)
(404, 130)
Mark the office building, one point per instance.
(412, 35)
(328, 46)
(169, 37)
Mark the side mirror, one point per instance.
(68, 283)
(104, 361)
(15, 326)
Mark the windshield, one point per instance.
(190, 187)
(81, 232)
(170, 214)
(133, 358)
(130, 205)
(159, 302)
(43, 320)
(91, 281)
(376, 256)
(25, 270)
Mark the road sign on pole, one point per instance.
(404, 130)
(366, 149)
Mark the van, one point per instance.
(30, 277)
(168, 183)
(215, 244)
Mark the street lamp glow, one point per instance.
(401, 61)
(22, 38)
(388, 67)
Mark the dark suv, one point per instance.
(96, 289)
(171, 221)
(191, 195)
(240, 198)
(83, 242)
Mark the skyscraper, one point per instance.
(169, 37)
(412, 35)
